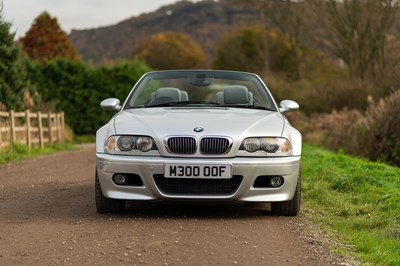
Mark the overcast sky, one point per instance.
(76, 14)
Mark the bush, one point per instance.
(77, 89)
(343, 130)
(322, 93)
(383, 121)
(374, 135)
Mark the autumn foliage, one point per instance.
(170, 50)
(244, 49)
(241, 49)
(45, 40)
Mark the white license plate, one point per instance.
(222, 171)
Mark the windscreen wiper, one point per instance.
(183, 103)
(249, 106)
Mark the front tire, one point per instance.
(291, 207)
(107, 205)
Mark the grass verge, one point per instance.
(19, 151)
(356, 201)
(81, 139)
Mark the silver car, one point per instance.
(198, 135)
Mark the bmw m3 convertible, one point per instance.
(198, 135)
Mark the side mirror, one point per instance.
(288, 106)
(111, 104)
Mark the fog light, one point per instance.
(119, 179)
(276, 181)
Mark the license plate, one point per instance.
(222, 171)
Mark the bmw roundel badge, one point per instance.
(198, 129)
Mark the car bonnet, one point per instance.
(232, 122)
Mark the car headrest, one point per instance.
(168, 92)
(184, 96)
(219, 97)
(236, 94)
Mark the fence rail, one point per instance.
(32, 129)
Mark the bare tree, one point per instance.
(360, 29)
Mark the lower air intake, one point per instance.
(196, 187)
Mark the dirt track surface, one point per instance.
(48, 217)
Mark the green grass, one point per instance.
(356, 201)
(80, 139)
(19, 151)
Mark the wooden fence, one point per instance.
(32, 129)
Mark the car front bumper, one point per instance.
(148, 167)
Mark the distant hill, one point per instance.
(205, 21)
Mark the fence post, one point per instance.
(57, 120)
(12, 127)
(41, 142)
(50, 127)
(28, 129)
(1, 133)
(62, 126)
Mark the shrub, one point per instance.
(322, 95)
(383, 121)
(343, 130)
(78, 89)
(374, 135)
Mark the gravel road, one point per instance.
(48, 217)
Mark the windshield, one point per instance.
(200, 89)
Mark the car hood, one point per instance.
(233, 122)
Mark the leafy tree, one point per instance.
(13, 81)
(290, 22)
(286, 17)
(45, 40)
(170, 50)
(263, 7)
(242, 49)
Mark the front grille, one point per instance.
(214, 146)
(198, 186)
(182, 145)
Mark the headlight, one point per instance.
(126, 143)
(144, 143)
(273, 146)
(123, 144)
(251, 144)
(270, 145)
